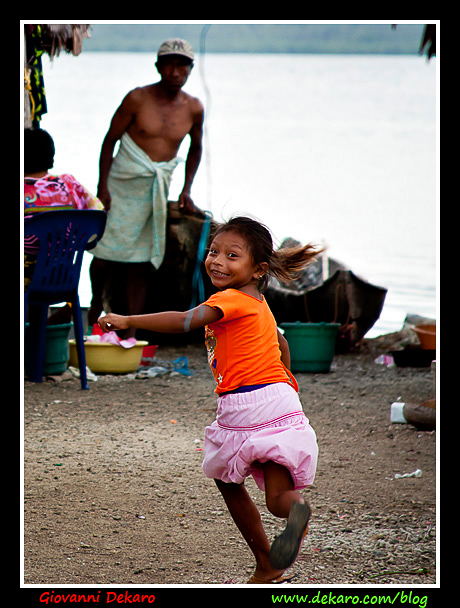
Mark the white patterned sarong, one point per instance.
(136, 223)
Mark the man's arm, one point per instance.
(193, 161)
(121, 120)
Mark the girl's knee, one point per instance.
(229, 489)
(279, 489)
(277, 500)
(272, 503)
(279, 503)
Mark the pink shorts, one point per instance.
(258, 426)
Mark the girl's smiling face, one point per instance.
(230, 263)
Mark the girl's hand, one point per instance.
(113, 322)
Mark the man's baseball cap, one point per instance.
(176, 46)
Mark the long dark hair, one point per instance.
(285, 264)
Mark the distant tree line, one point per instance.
(260, 38)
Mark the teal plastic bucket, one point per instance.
(56, 352)
(311, 345)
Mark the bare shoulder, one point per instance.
(140, 93)
(195, 104)
(135, 98)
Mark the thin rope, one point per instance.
(203, 34)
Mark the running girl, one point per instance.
(260, 427)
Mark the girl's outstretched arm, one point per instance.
(172, 322)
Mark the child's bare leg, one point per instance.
(279, 489)
(283, 501)
(247, 518)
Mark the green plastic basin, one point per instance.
(311, 345)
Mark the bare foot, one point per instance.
(267, 577)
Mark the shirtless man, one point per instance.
(157, 118)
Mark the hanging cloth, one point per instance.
(33, 77)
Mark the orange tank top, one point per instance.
(243, 347)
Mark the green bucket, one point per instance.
(56, 352)
(311, 345)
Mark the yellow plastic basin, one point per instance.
(105, 358)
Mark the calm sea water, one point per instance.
(332, 149)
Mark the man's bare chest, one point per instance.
(171, 121)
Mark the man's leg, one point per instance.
(98, 272)
(136, 291)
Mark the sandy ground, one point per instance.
(114, 492)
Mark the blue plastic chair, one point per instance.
(64, 237)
